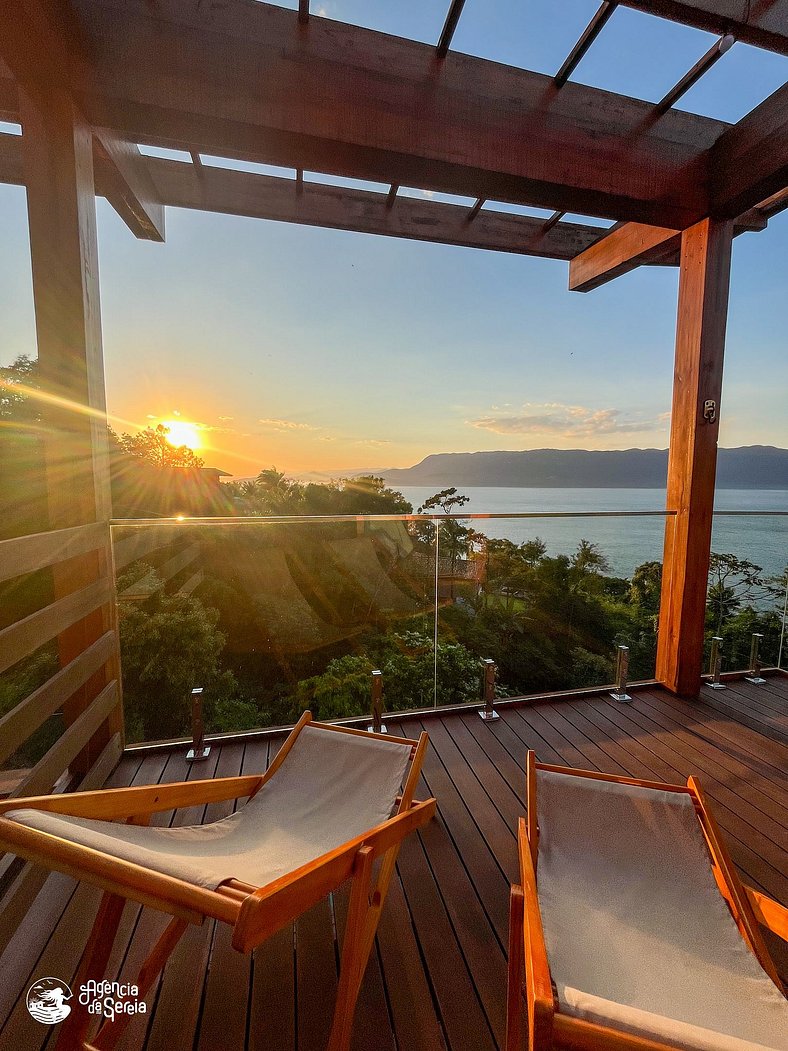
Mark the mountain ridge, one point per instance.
(743, 467)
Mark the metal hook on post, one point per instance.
(198, 749)
(715, 664)
(622, 670)
(488, 712)
(755, 676)
(378, 726)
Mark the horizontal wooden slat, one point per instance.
(23, 638)
(25, 554)
(151, 582)
(18, 899)
(50, 767)
(142, 542)
(23, 891)
(103, 766)
(29, 714)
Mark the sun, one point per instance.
(181, 432)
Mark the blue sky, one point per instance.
(317, 349)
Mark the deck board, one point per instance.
(436, 981)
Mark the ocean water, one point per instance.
(626, 542)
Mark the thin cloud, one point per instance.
(566, 421)
(277, 424)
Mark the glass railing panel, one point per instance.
(270, 617)
(549, 598)
(747, 588)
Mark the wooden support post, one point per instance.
(57, 147)
(700, 342)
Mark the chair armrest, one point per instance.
(769, 913)
(116, 804)
(538, 985)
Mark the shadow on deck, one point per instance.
(437, 979)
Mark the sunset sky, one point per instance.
(318, 350)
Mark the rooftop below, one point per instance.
(437, 979)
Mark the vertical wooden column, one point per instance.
(700, 342)
(57, 152)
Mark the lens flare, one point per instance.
(181, 432)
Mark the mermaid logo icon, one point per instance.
(46, 1000)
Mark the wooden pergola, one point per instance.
(89, 80)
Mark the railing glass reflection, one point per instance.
(274, 615)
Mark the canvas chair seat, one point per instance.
(638, 936)
(331, 788)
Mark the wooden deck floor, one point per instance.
(437, 977)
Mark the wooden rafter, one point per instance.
(241, 80)
(449, 27)
(762, 23)
(589, 35)
(43, 48)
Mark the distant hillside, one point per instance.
(750, 467)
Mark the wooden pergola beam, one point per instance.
(43, 49)
(750, 161)
(347, 208)
(700, 343)
(242, 80)
(762, 23)
(595, 256)
(180, 184)
(630, 245)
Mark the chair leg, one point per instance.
(355, 952)
(514, 986)
(93, 964)
(111, 1031)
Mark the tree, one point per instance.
(153, 446)
(732, 580)
(23, 491)
(17, 381)
(169, 644)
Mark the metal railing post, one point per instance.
(377, 726)
(715, 664)
(755, 660)
(488, 712)
(198, 749)
(622, 670)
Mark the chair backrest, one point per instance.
(348, 780)
(630, 906)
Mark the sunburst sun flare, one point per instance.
(181, 432)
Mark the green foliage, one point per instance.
(15, 686)
(169, 644)
(273, 493)
(408, 666)
(17, 381)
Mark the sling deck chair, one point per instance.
(321, 814)
(641, 936)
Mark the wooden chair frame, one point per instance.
(529, 969)
(254, 913)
